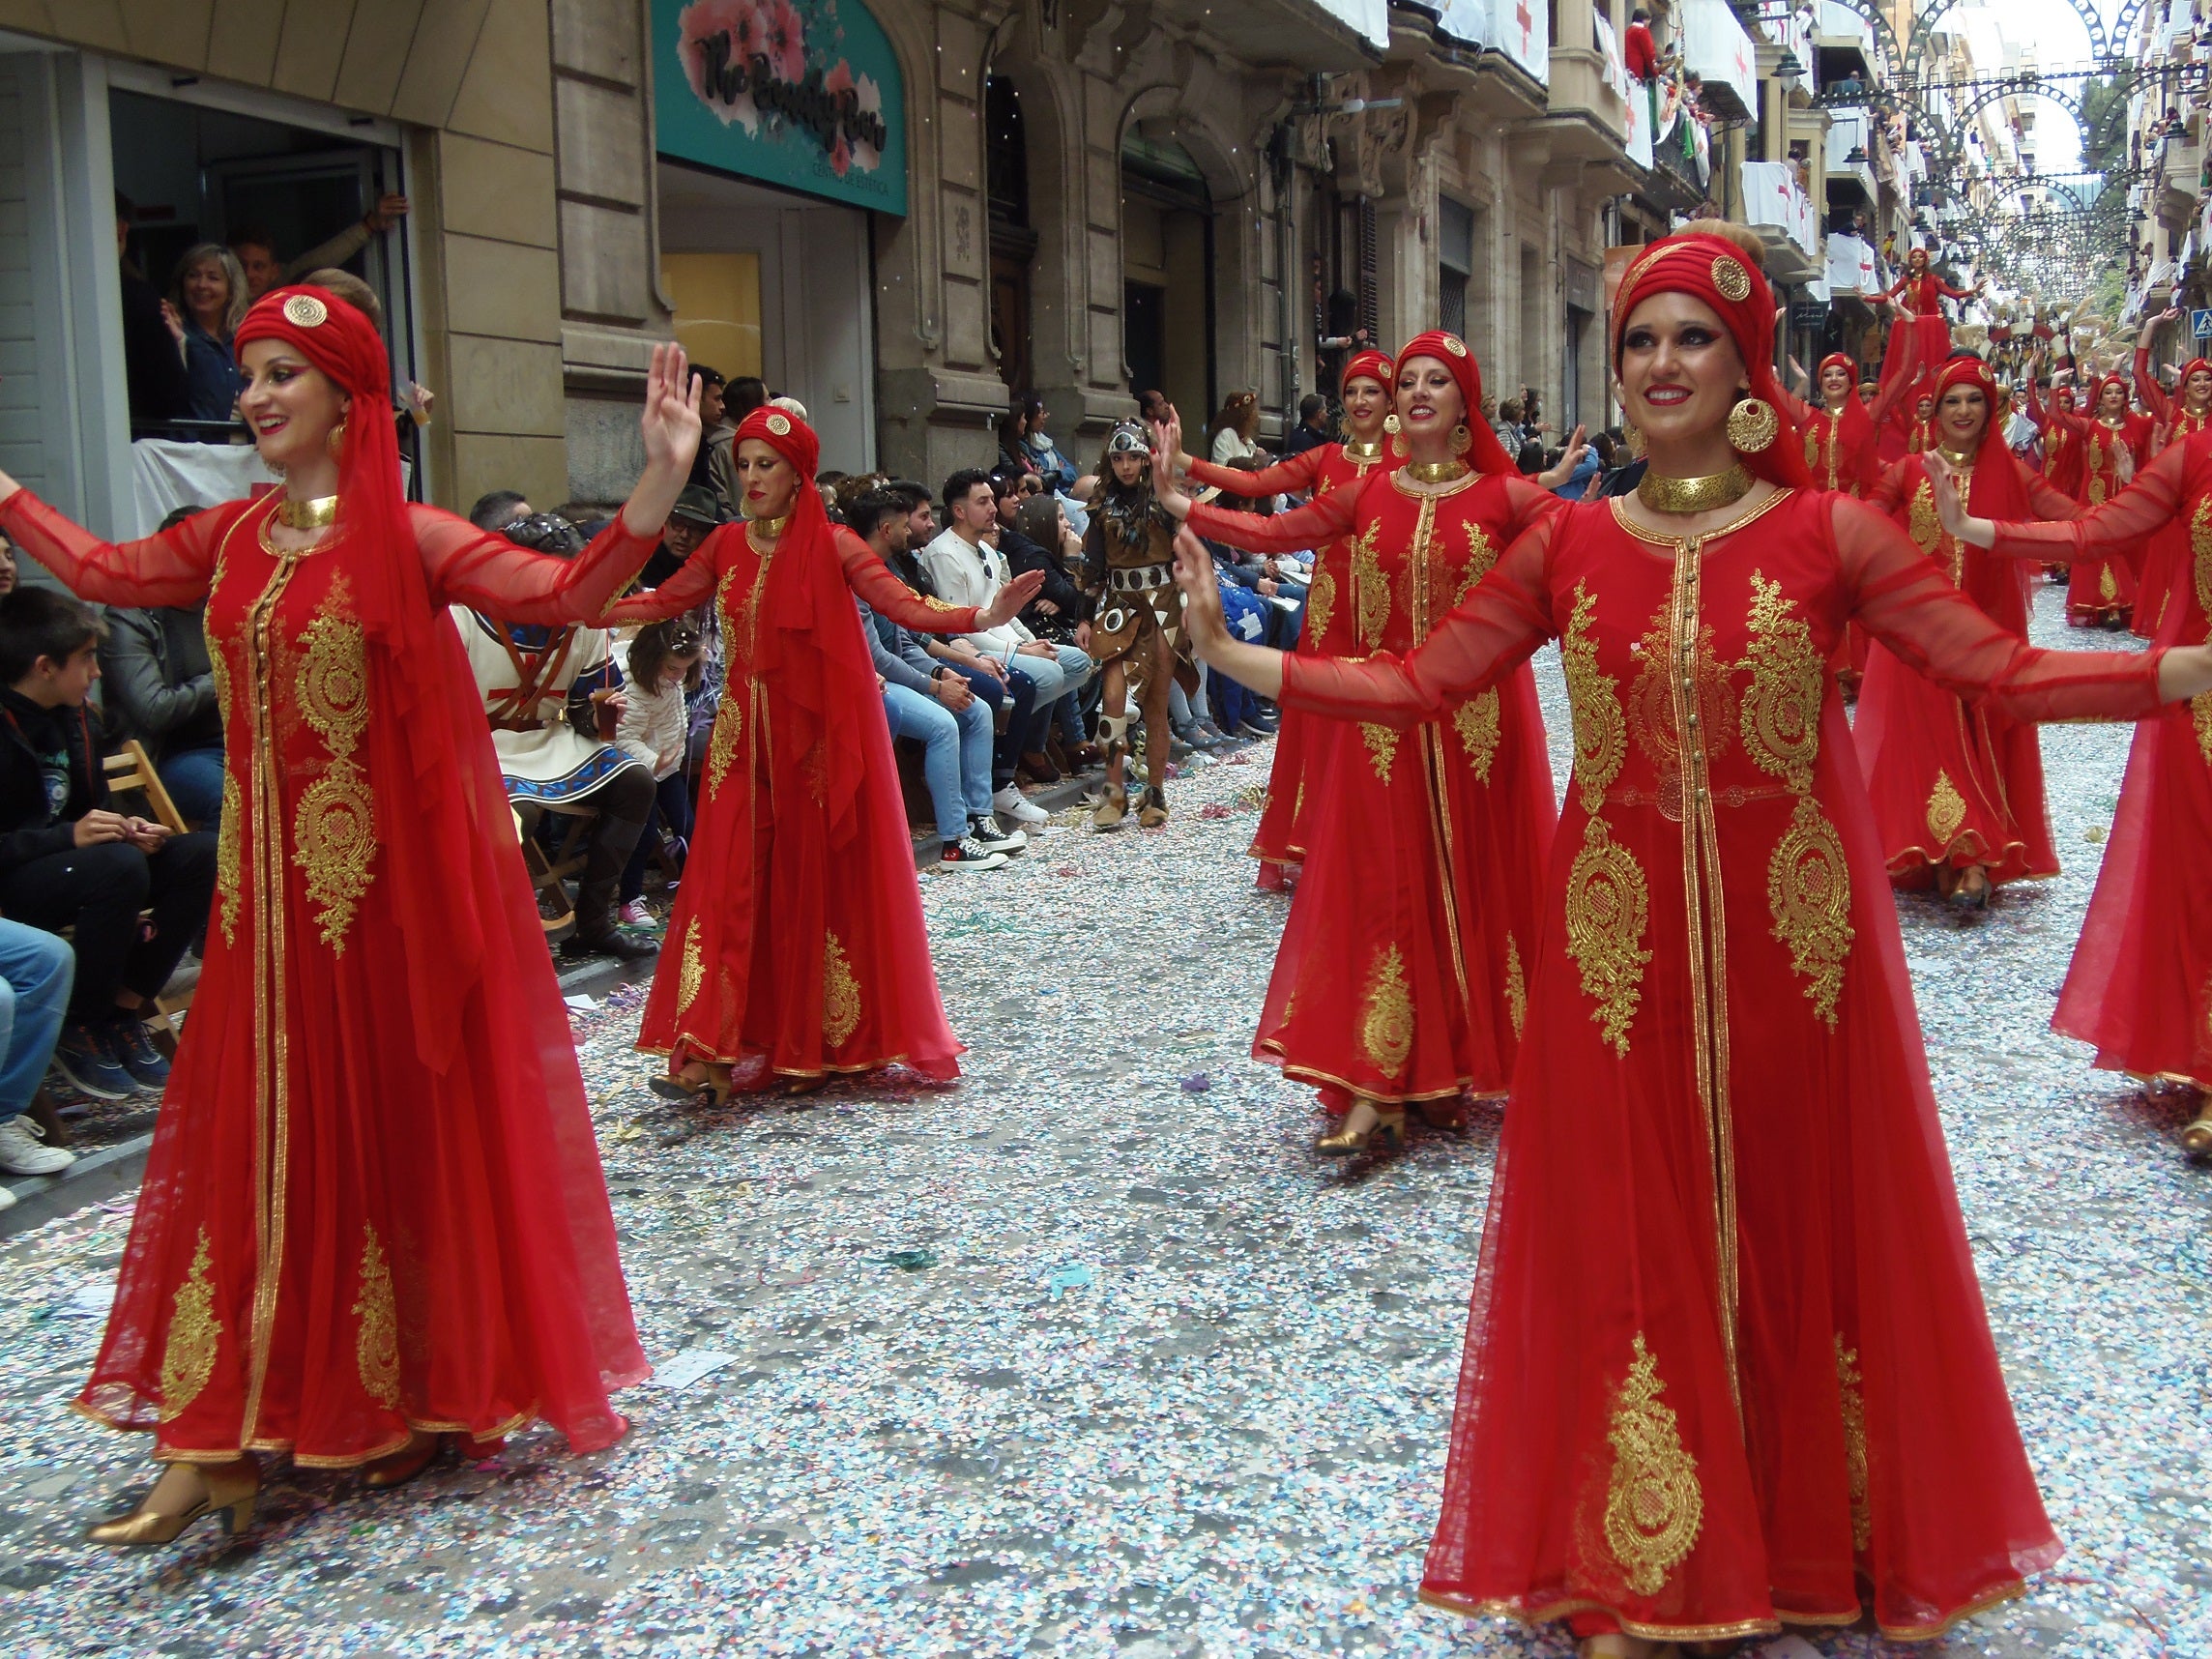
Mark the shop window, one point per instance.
(1455, 263)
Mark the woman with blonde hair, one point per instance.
(207, 301)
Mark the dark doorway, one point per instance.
(1144, 328)
(1014, 243)
(1166, 251)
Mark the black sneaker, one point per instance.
(89, 1066)
(970, 854)
(625, 943)
(133, 1044)
(985, 833)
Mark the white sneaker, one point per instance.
(1017, 806)
(987, 835)
(7, 1199)
(23, 1151)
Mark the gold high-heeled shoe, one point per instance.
(404, 1465)
(1348, 1142)
(2197, 1138)
(227, 1490)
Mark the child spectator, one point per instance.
(66, 860)
(666, 661)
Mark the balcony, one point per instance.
(1716, 46)
(1588, 116)
(1851, 158)
(1774, 206)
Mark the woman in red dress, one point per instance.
(1280, 841)
(797, 946)
(2062, 459)
(2115, 443)
(1921, 334)
(1956, 787)
(2166, 554)
(2141, 986)
(1728, 1361)
(372, 1214)
(1841, 433)
(1426, 853)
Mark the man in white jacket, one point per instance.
(964, 565)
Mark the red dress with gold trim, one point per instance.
(797, 937)
(2141, 985)
(2104, 587)
(1280, 839)
(335, 1244)
(1952, 782)
(1423, 876)
(2168, 557)
(1727, 1357)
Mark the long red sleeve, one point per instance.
(1911, 606)
(1316, 524)
(2149, 389)
(171, 569)
(489, 573)
(685, 590)
(1294, 474)
(2045, 499)
(867, 576)
(2154, 499)
(1485, 638)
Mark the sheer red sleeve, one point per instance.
(2149, 389)
(1798, 409)
(867, 576)
(1950, 293)
(2155, 497)
(171, 569)
(1294, 474)
(1490, 632)
(1911, 606)
(688, 590)
(2078, 425)
(486, 572)
(1897, 482)
(1530, 502)
(2035, 410)
(2045, 499)
(1316, 524)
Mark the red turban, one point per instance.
(1999, 489)
(1722, 275)
(1371, 364)
(1486, 453)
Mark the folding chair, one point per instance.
(130, 772)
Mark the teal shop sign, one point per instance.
(805, 94)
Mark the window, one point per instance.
(1455, 263)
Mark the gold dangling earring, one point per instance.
(1462, 440)
(336, 442)
(1753, 426)
(1397, 442)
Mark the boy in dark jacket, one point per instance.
(66, 860)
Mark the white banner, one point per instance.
(1521, 29)
(1370, 17)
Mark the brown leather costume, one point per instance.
(1128, 557)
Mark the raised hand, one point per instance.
(670, 422)
(1006, 605)
(1201, 592)
(1950, 504)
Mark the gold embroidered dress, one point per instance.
(337, 1243)
(1403, 970)
(1727, 1356)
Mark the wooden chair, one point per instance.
(130, 772)
(546, 878)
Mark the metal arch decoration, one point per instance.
(1924, 30)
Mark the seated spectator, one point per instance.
(7, 568)
(1040, 538)
(553, 697)
(36, 969)
(67, 861)
(666, 661)
(207, 301)
(496, 509)
(161, 690)
(1234, 428)
(1311, 430)
(715, 432)
(888, 521)
(256, 248)
(931, 703)
(1531, 460)
(968, 571)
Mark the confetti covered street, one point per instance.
(1089, 1355)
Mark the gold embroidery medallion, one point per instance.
(1854, 1444)
(690, 971)
(376, 1348)
(1381, 748)
(1654, 1505)
(1516, 988)
(1946, 810)
(1386, 1024)
(334, 827)
(1478, 721)
(1370, 588)
(840, 994)
(229, 863)
(188, 1355)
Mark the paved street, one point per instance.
(1087, 1355)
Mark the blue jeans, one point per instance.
(1057, 679)
(35, 972)
(955, 753)
(193, 778)
(1018, 693)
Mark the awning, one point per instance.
(1716, 46)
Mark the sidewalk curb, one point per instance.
(94, 1178)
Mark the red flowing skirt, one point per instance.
(383, 1248)
(2168, 557)
(1610, 1454)
(1281, 836)
(1951, 783)
(1421, 894)
(2099, 590)
(785, 952)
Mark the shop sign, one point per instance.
(805, 94)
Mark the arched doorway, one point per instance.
(1013, 239)
(1167, 273)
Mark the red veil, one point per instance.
(416, 657)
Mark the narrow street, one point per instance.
(1089, 1356)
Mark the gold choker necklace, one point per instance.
(1695, 495)
(1437, 472)
(1358, 451)
(768, 529)
(1965, 463)
(319, 514)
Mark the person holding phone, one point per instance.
(67, 861)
